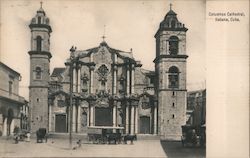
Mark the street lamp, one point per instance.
(71, 64)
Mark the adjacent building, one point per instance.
(13, 107)
(196, 105)
(110, 87)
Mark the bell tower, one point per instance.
(39, 70)
(170, 66)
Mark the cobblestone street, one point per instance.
(60, 148)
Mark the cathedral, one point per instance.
(107, 86)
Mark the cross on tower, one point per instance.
(170, 6)
(41, 3)
(103, 37)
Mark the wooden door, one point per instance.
(103, 116)
(144, 125)
(61, 123)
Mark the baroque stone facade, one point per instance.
(110, 87)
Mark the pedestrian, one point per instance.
(16, 134)
(16, 139)
(79, 143)
(194, 137)
(28, 137)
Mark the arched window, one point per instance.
(173, 24)
(173, 45)
(10, 87)
(38, 73)
(38, 43)
(39, 20)
(173, 77)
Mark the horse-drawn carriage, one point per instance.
(193, 135)
(108, 135)
(104, 135)
(41, 135)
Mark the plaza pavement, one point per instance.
(60, 148)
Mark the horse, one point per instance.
(129, 137)
(114, 137)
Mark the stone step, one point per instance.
(66, 135)
(147, 137)
(84, 136)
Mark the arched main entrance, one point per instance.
(61, 124)
(103, 116)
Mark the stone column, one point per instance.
(115, 74)
(68, 118)
(74, 118)
(26, 110)
(88, 115)
(133, 79)
(128, 80)
(167, 47)
(115, 80)
(50, 117)
(136, 119)
(91, 79)
(74, 78)
(155, 118)
(12, 126)
(5, 127)
(79, 119)
(91, 115)
(132, 121)
(127, 118)
(114, 115)
(79, 79)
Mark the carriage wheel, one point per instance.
(105, 140)
(100, 141)
(182, 142)
(95, 141)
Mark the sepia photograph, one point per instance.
(107, 78)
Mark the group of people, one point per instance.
(20, 135)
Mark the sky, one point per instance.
(128, 24)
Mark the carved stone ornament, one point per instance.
(84, 77)
(103, 71)
(102, 102)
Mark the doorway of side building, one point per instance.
(61, 124)
(145, 125)
(9, 122)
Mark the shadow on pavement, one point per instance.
(174, 149)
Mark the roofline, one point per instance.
(19, 102)
(7, 67)
(148, 73)
(195, 91)
(113, 50)
(170, 29)
(64, 68)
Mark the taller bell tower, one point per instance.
(170, 66)
(39, 69)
